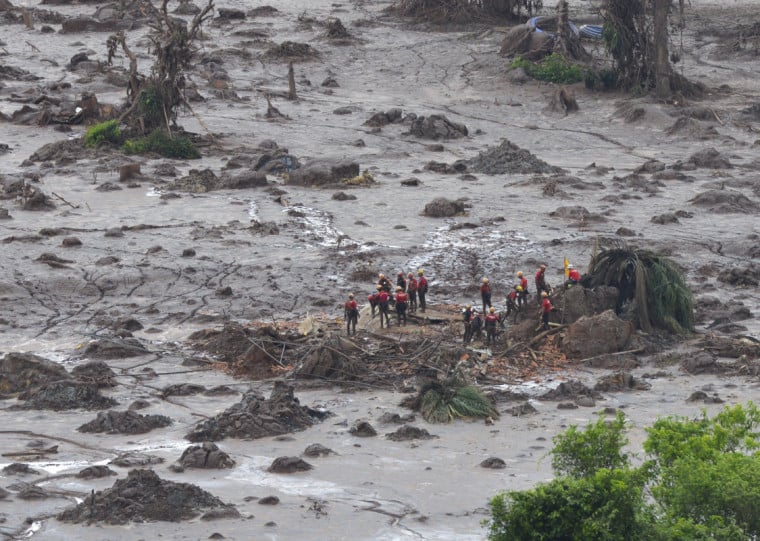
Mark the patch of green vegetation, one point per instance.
(442, 402)
(161, 142)
(554, 68)
(103, 132)
(151, 106)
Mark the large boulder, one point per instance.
(319, 173)
(577, 301)
(20, 372)
(597, 335)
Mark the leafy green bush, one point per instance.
(554, 68)
(581, 454)
(160, 142)
(151, 107)
(103, 132)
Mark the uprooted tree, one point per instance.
(154, 101)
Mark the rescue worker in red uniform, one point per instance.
(351, 312)
(383, 298)
(546, 308)
(373, 300)
(492, 319)
(401, 304)
(384, 283)
(522, 298)
(411, 289)
(422, 288)
(573, 276)
(485, 294)
(512, 297)
(541, 284)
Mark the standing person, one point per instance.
(476, 325)
(351, 312)
(492, 319)
(541, 285)
(522, 298)
(512, 300)
(384, 283)
(411, 289)
(401, 281)
(422, 288)
(383, 298)
(546, 308)
(466, 315)
(401, 304)
(485, 294)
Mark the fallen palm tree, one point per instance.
(444, 401)
(652, 283)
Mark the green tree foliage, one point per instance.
(701, 481)
(554, 68)
(163, 143)
(444, 401)
(103, 132)
(654, 282)
(580, 454)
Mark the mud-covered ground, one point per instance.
(156, 258)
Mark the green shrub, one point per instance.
(581, 453)
(103, 132)
(554, 68)
(160, 142)
(151, 107)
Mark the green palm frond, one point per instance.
(444, 402)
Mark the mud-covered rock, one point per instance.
(19, 468)
(115, 348)
(95, 373)
(124, 422)
(131, 459)
(289, 464)
(570, 390)
(577, 213)
(362, 429)
(319, 173)
(621, 381)
(144, 497)
(408, 432)
(437, 127)
(747, 276)
(256, 417)
(20, 372)
(389, 418)
(526, 408)
(725, 202)
(65, 395)
(317, 450)
(440, 207)
(710, 158)
(493, 463)
(95, 472)
(378, 120)
(508, 158)
(182, 389)
(577, 301)
(597, 335)
(204, 456)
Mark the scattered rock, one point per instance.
(229, 14)
(710, 158)
(291, 51)
(319, 173)
(289, 464)
(95, 373)
(95, 472)
(20, 372)
(144, 497)
(131, 459)
(343, 196)
(493, 463)
(317, 450)
(621, 381)
(181, 389)
(65, 395)
(388, 418)
(508, 158)
(206, 456)
(437, 127)
(19, 468)
(577, 213)
(269, 500)
(441, 207)
(115, 348)
(255, 417)
(664, 219)
(124, 422)
(378, 120)
(748, 276)
(725, 202)
(362, 429)
(408, 432)
(521, 409)
(700, 362)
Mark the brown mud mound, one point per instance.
(362, 429)
(144, 497)
(20, 372)
(124, 422)
(182, 389)
(742, 276)
(409, 432)
(65, 395)
(437, 127)
(493, 463)
(710, 158)
(691, 128)
(95, 373)
(205, 456)
(256, 417)
(579, 301)
(131, 459)
(335, 359)
(725, 202)
(324, 172)
(378, 120)
(597, 335)
(441, 207)
(95, 472)
(289, 464)
(570, 390)
(508, 158)
(316, 450)
(115, 348)
(254, 352)
(736, 348)
(577, 213)
(621, 381)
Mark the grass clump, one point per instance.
(161, 142)
(444, 401)
(554, 68)
(103, 132)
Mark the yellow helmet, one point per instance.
(485, 280)
(492, 309)
(519, 274)
(467, 306)
(420, 272)
(399, 288)
(379, 287)
(544, 294)
(519, 288)
(381, 275)
(350, 295)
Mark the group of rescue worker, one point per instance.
(409, 293)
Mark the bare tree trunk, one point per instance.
(662, 61)
(291, 83)
(563, 28)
